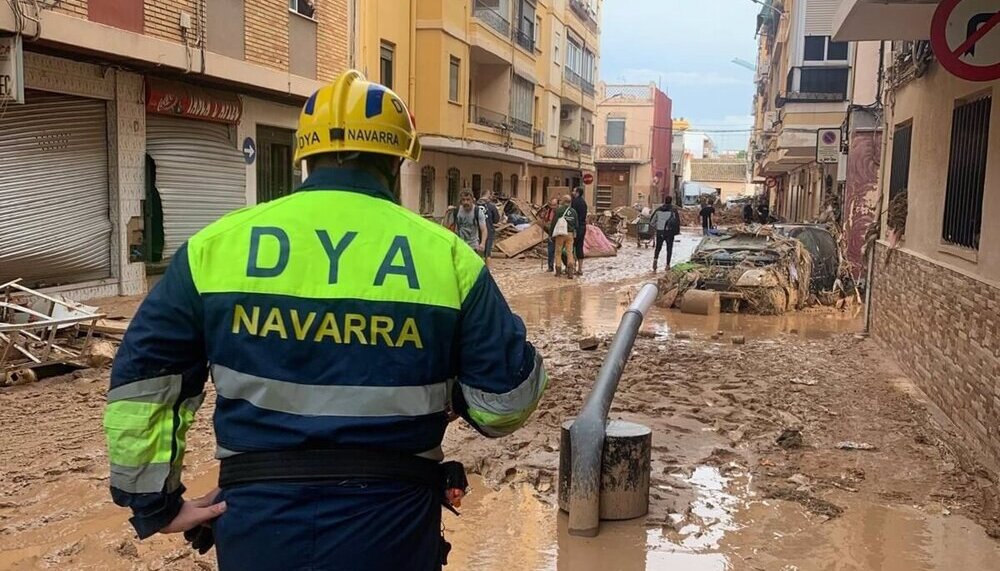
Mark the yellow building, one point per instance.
(502, 91)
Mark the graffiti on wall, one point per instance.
(861, 195)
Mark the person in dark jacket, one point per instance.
(748, 213)
(667, 224)
(342, 333)
(706, 217)
(564, 241)
(580, 206)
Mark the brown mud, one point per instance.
(725, 495)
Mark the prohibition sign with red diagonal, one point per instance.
(965, 35)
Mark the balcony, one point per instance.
(586, 149)
(577, 80)
(525, 40)
(492, 18)
(816, 84)
(618, 154)
(586, 14)
(570, 145)
(858, 20)
(499, 121)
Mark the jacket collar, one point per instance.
(349, 180)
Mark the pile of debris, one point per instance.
(46, 335)
(521, 232)
(752, 268)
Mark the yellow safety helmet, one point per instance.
(355, 115)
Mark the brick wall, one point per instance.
(331, 38)
(267, 32)
(73, 8)
(163, 19)
(943, 328)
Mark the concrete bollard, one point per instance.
(701, 302)
(625, 470)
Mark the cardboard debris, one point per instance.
(522, 241)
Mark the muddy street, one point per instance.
(802, 449)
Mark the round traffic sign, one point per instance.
(771, 182)
(965, 35)
(588, 178)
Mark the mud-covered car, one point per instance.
(764, 269)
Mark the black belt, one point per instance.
(320, 465)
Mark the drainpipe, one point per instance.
(413, 59)
(887, 121)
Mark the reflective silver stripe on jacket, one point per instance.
(523, 397)
(158, 390)
(327, 400)
(145, 479)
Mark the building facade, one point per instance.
(143, 121)
(634, 134)
(936, 276)
(503, 92)
(806, 83)
(729, 177)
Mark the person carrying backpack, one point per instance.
(562, 230)
(667, 224)
(492, 219)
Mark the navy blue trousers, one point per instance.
(374, 526)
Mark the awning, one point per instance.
(178, 99)
(860, 20)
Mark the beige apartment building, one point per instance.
(936, 276)
(634, 135)
(502, 90)
(142, 121)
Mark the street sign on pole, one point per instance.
(965, 35)
(11, 69)
(588, 178)
(249, 150)
(828, 146)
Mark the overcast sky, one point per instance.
(689, 46)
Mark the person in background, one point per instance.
(492, 219)
(667, 224)
(764, 212)
(547, 217)
(579, 205)
(748, 213)
(564, 241)
(706, 217)
(470, 222)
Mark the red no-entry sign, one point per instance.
(965, 35)
(588, 178)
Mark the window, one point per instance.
(899, 177)
(525, 35)
(497, 184)
(454, 186)
(554, 125)
(555, 48)
(587, 66)
(305, 8)
(963, 206)
(574, 55)
(538, 31)
(427, 190)
(616, 132)
(386, 64)
(822, 48)
(534, 190)
(522, 99)
(545, 189)
(454, 73)
(514, 183)
(477, 185)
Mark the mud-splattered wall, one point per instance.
(861, 194)
(943, 328)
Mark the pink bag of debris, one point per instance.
(596, 244)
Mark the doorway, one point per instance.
(276, 172)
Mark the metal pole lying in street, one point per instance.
(588, 430)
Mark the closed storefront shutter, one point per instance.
(199, 174)
(55, 224)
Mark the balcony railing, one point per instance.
(817, 83)
(525, 39)
(492, 18)
(574, 78)
(618, 153)
(539, 138)
(494, 120)
(582, 9)
(523, 128)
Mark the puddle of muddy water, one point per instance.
(727, 529)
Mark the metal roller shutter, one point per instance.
(200, 175)
(55, 224)
(819, 17)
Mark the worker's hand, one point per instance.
(480, 247)
(454, 497)
(196, 512)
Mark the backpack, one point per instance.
(674, 223)
(562, 226)
(491, 212)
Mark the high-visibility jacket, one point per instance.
(329, 318)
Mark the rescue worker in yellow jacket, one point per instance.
(339, 329)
